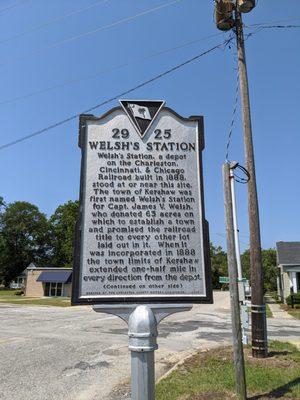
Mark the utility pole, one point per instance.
(238, 354)
(233, 165)
(258, 308)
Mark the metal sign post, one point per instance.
(241, 281)
(142, 323)
(238, 354)
(142, 244)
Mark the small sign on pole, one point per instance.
(223, 279)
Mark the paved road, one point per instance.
(73, 353)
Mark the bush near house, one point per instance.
(293, 300)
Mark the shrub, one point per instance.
(296, 299)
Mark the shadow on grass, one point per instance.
(278, 353)
(278, 392)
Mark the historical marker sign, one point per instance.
(142, 235)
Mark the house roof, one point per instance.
(55, 276)
(288, 253)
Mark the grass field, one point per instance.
(294, 313)
(268, 311)
(10, 296)
(210, 376)
(8, 292)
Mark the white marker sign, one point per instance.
(141, 235)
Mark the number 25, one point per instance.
(159, 134)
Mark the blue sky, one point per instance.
(45, 170)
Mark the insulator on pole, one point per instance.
(224, 15)
(246, 6)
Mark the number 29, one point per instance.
(120, 134)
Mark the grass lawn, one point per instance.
(210, 376)
(8, 292)
(9, 296)
(268, 311)
(294, 313)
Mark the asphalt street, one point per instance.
(73, 353)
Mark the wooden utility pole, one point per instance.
(258, 310)
(238, 354)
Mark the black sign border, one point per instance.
(75, 299)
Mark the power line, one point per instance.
(101, 28)
(244, 178)
(223, 235)
(153, 79)
(52, 21)
(280, 26)
(236, 97)
(14, 5)
(107, 70)
(297, 18)
(233, 114)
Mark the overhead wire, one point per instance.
(54, 20)
(224, 44)
(223, 235)
(279, 26)
(107, 70)
(91, 32)
(245, 178)
(153, 79)
(297, 18)
(259, 27)
(235, 105)
(19, 3)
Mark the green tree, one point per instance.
(25, 238)
(219, 268)
(269, 268)
(63, 228)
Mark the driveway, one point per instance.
(53, 353)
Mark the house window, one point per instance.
(53, 289)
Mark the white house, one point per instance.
(20, 281)
(288, 261)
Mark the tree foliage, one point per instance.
(269, 268)
(219, 268)
(24, 238)
(27, 236)
(63, 228)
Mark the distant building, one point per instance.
(288, 260)
(44, 281)
(20, 281)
